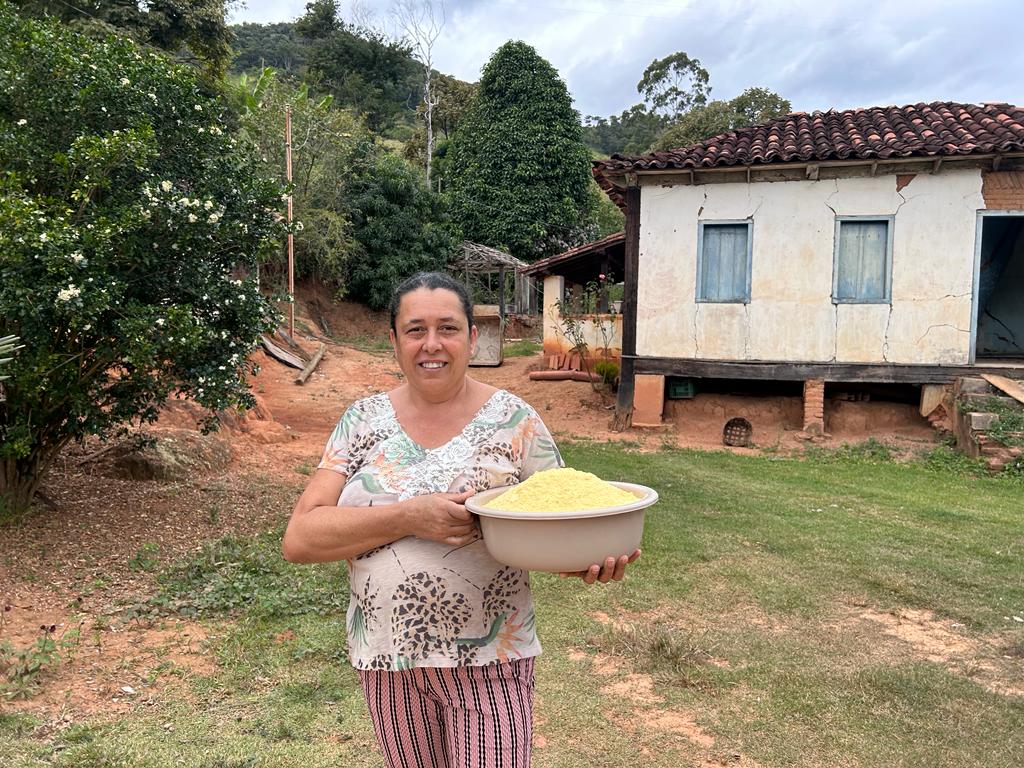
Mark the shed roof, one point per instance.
(582, 263)
(938, 129)
(474, 257)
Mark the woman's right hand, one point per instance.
(443, 517)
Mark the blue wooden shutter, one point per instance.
(724, 262)
(861, 260)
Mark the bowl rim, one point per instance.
(645, 498)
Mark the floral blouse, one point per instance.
(419, 603)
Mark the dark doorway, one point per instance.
(1001, 288)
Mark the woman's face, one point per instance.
(432, 341)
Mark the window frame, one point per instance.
(890, 220)
(700, 259)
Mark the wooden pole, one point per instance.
(291, 237)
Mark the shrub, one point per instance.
(129, 221)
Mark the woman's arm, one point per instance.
(319, 531)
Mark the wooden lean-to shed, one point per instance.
(864, 245)
(565, 275)
(491, 274)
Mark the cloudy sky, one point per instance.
(817, 53)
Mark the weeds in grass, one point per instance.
(678, 654)
(20, 668)
(521, 348)
(233, 575)
(870, 451)
(949, 461)
(146, 559)
(367, 343)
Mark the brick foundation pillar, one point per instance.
(814, 406)
(648, 400)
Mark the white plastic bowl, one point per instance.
(562, 541)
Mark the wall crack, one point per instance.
(940, 325)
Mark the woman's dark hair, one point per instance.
(432, 281)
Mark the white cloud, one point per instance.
(818, 54)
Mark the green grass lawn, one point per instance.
(759, 628)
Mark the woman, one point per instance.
(441, 634)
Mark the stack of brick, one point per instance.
(814, 406)
(972, 422)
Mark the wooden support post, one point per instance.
(624, 403)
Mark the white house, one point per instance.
(869, 245)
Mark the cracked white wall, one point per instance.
(791, 316)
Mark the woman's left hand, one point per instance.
(610, 570)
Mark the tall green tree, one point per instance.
(131, 223)
(674, 85)
(196, 28)
(517, 168)
(754, 105)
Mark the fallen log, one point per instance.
(314, 361)
(564, 376)
(281, 355)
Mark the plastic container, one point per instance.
(562, 541)
(490, 330)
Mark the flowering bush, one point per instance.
(129, 221)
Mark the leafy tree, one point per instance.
(196, 26)
(366, 71)
(518, 169)
(675, 84)
(631, 133)
(400, 227)
(130, 223)
(608, 219)
(321, 19)
(754, 105)
(268, 45)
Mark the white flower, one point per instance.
(160, 321)
(125, 81)
(23, 121)
(213, 218)
(103, 109)
(77, 257)
(197, 108)
(215, 130)
(284, 198)
(152, 96)
(69, 293)
(43, 237)
(166, 186)
(192, 218)
(208, 204)
(202, 130)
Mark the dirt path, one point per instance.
(74, 566)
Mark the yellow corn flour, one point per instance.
(560, 490)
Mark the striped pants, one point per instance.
(458, 717)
